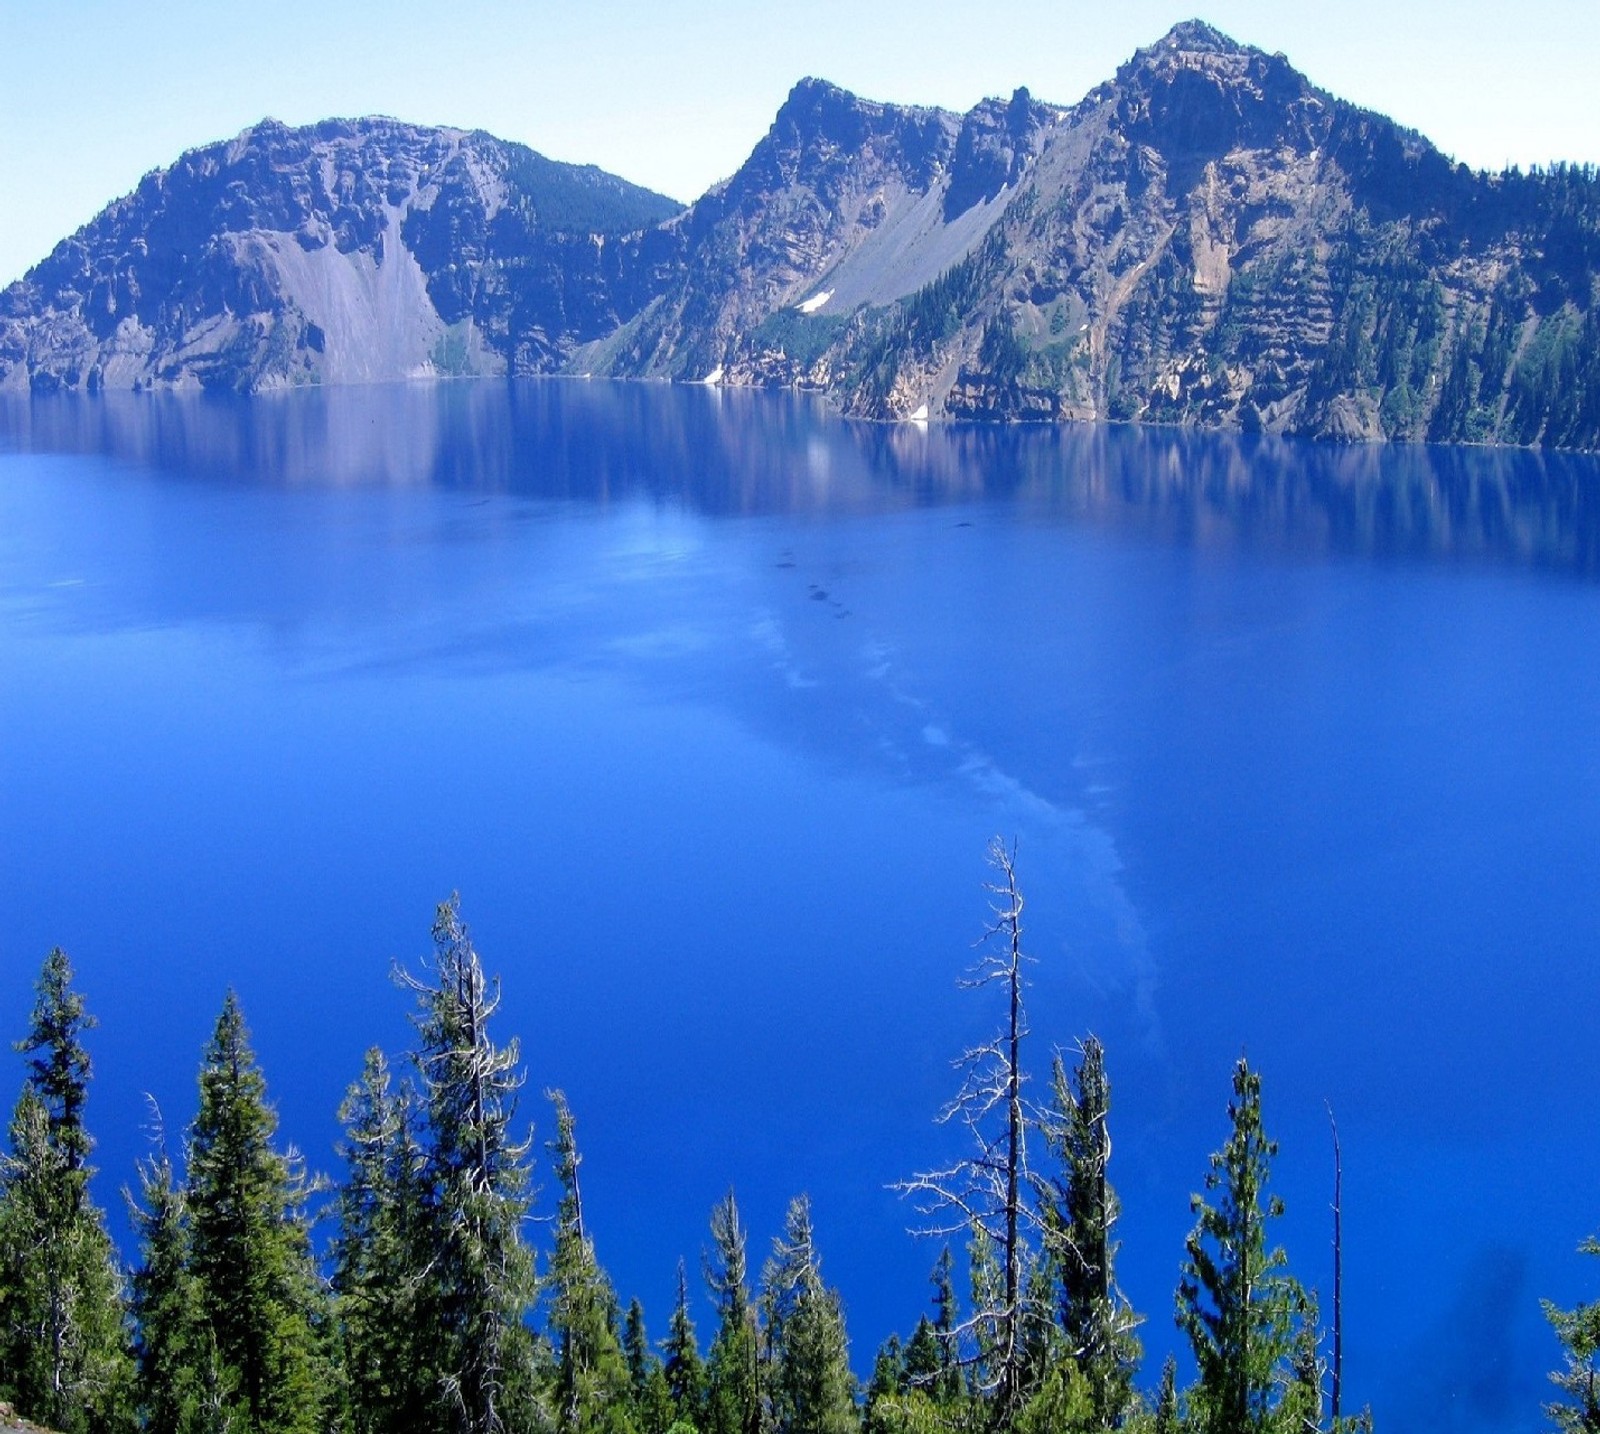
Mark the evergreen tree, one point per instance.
(182, 1386)
(811, 1389)
(63, 1354)
(480, 1271)
(889, 1379)
(684, 1370)
(652, 1407)
(733, 1396)
(1079, 1211)
(380, 1258)
(946, 1388)
(1578, 1410)
(1168, 1418)
(251, 1249)
(1241, 1309)
(593, 1386)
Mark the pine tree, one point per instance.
(380, 1258)
(182, 1386)
(652, 1408)
(593, 1388)
(1079, 1212)
(810, 1387)
(946, 1388)
(63, 1343)
(733, 1396)
(480, 1271)
(1241, 1309)
(888, 1386)
(251, 1249)
(1578, 1410)
(1168, 1419)
(684, 1370)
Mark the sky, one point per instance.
(673, 94)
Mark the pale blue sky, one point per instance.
(674, 94)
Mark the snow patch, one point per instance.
(921, 415)
(815, 302)
(712, 379)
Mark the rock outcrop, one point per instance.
(1207, 238)
(349, 251)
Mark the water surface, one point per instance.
(708, 704)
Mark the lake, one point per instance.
(709, 703)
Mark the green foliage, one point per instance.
(183, 1387)
(1002, 353)
(733, 1397)
(251, 1250)
(810, 1387)
(1078, 1212)
(380, 1256)
(916, 327)
(653, 1409)
(1061, 1401)
(682, 1367)
(1242, 1311)
(479, 1272)
(580, 199)
(804, 338)
(63, 1360)
(1578, 1409)
(593, 1391)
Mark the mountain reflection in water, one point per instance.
(600, 442)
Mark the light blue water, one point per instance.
(709, 703)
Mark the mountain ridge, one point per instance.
(1205, 238)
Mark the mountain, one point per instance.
(342, 252)
(1207, 238)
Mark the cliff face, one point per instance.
(1207, 238)
(344, 252)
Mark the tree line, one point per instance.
(429, 1309)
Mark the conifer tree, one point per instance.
(1079, 1210)
(810, 1387)
(684, 1370)
(653, 1411)
(593, 1388)
(63, 1345)
(380, 1258)
(946, 1388)
(251, 1249)
(733, 1396)
(889, 1382)
(1168, 1419)
(1242, 1310)
(182, 1386)
(480, 1271)
(1578, 1409)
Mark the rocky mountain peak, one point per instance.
(1198, 37)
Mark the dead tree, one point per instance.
(985, 1195)
(1338, 1267)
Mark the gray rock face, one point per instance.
(345, 252)
(1207, 238)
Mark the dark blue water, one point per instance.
(709, 704)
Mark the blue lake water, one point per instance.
(709, 703)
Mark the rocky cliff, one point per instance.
(1207, 238)
(344, 252)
